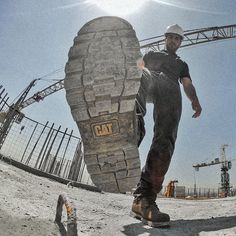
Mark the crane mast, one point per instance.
(226, 165)
(13, 112)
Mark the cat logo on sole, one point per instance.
(105, 129)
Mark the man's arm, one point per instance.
(192, 95)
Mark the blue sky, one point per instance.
(35, 39)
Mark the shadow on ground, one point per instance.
(26, 225)
(183, 227)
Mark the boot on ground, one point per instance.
(146, 209)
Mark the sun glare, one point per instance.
(118, 7)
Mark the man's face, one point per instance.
(173, 42)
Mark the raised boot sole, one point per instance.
(102, 81)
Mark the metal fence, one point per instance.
(46, 147)
(196, 193)
(202, 192)
(3, 103)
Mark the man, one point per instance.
(163, 70)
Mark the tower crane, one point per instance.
(194, 37)
(191, 37)
(13, 112)
(225, 167)
(43, 93)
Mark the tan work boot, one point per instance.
(145, 209)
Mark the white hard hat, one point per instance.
(175, 29)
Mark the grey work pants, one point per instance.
(166, 97)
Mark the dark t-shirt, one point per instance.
(169, 64)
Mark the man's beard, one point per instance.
(171, 49)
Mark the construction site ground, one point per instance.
(28, 207)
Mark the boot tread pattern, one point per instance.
(101, 84)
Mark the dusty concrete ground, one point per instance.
(28, 208)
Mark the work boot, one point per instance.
(145, 209)
(102, 82)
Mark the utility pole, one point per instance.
(13, 112)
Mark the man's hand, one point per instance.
(140, 64)
(197, 108)
(192, 95)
